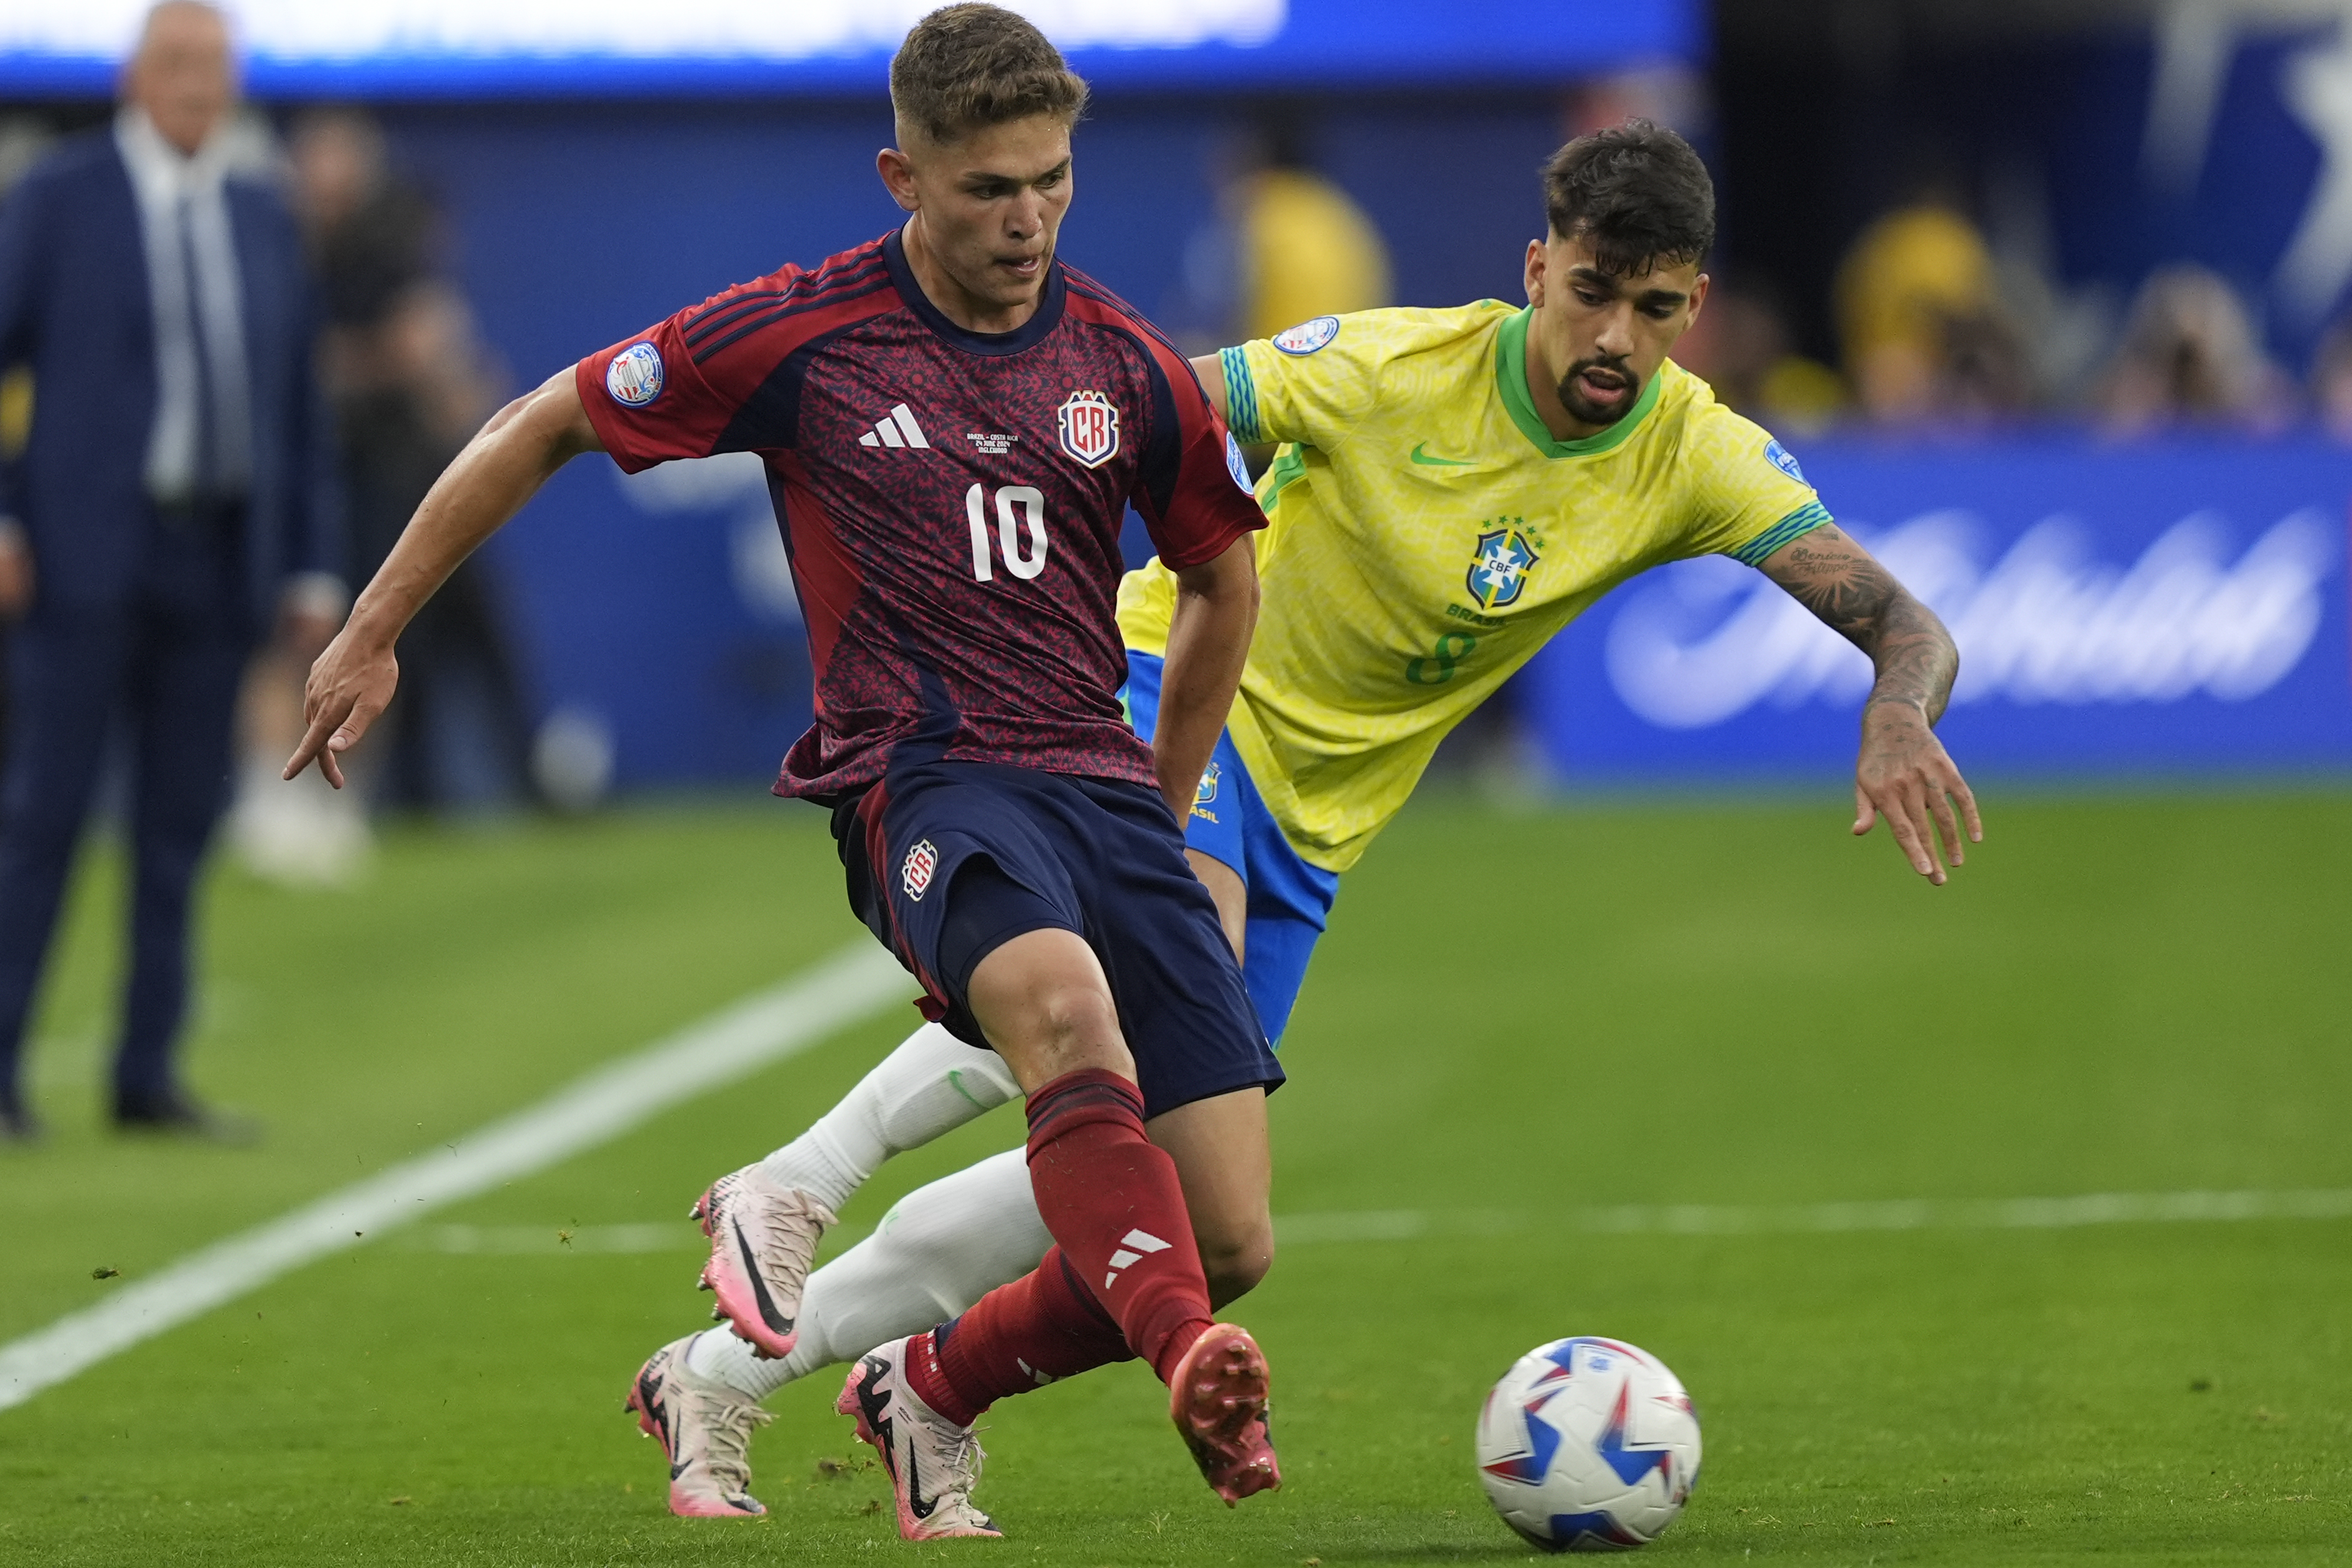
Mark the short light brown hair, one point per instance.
(971, 66)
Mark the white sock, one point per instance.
(942, 1249)
(933, 1084)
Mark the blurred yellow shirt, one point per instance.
(1307, 249)
(1426, 535)
(1910, 272)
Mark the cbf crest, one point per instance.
(1088, 423)
(1499, 568)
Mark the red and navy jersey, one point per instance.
(950, 500)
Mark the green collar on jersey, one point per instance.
(1511, 381)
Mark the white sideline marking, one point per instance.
(1729, 1219)
(762, 1029)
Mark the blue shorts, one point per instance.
(1289, 901)
(947, 861)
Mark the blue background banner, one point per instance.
(1312, 45)
(2118, 609)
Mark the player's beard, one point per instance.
(1582, 408)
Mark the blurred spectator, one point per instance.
(1926, 338)
(22, 142)
(1286, 245)
(175, 497)
(457, 735)
(2191, 355)
(1739, 347)
(2331, 381)
(1306, 250)
(374, 237)
(16, 580)
(1674, 96)
(411, 381)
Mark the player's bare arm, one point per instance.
(1208, 641)
(1903, 772)
(1211, 369)
(502, 467)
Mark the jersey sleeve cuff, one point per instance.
(1216, 544)
(613, 431)
(1795, 526)
(1241, 395)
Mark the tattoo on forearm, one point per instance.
(1858, 599)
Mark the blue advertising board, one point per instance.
(2140, 608)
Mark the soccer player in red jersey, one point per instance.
(953, 424)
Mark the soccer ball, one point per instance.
(1588, 1445)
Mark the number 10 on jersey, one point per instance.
(1015, 505)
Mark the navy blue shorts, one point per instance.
(947, 861)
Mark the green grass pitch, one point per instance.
(1517, 1017)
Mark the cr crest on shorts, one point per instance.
(915, 875)
(948, 860)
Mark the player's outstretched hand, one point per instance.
(1904, 775)
(349, 687)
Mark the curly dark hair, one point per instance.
(1636, 193)
(970, 66)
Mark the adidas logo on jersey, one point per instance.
(895, 428)
(1141, 1241)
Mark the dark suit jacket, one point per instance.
(74, 304)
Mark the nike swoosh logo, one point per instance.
(916, 1504)
(774, 1319)
(1428, 462)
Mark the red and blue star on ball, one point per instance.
(1630, 1462)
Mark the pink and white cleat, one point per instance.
(1218, 1401)
(705, 1428)
(764, 1237)
(934, 1464)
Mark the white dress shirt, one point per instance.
(197, 294)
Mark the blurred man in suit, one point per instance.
(173, 499)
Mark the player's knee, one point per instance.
(1235, 1258)
(1047, 1009)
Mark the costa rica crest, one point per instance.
(915, 876)
(1499, 568)
(1088, 425)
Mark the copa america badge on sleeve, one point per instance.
(634, 376)
(1308, 336)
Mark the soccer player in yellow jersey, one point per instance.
(1455, 487)
(1452, 487)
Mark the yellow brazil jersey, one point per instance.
(1426, 535)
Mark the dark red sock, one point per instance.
(1039, 1329)
(1114, 1204)
(928, 1379)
